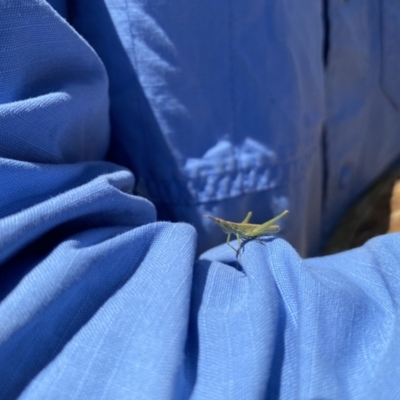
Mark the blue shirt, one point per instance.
(119, 116)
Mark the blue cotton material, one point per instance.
(236, 125)
(117, 117)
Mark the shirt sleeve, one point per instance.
(288, 327)
(86, 271)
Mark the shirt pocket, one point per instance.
(390, 34)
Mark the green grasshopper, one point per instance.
(245, 231)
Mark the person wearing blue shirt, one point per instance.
(123, 122)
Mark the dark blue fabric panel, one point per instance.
(362, 98)
(236, 125)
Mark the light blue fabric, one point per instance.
(217, 107)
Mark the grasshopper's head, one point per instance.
(225, 226)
